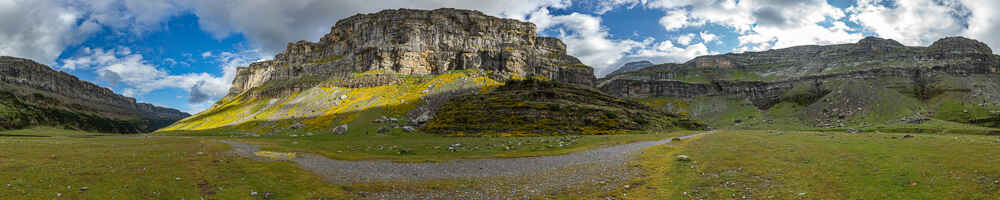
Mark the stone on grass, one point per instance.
(383, 129)
(409, 129)
(683, 158)
(676, 139)
(84, 189)
(340, 130)
(907, 136)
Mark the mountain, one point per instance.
(32, 94)
(872, 84)
(395, 66)
(515, 107)
(631, 67)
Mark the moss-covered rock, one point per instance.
(537, 107)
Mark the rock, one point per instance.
(177, 178)
(309, 134)
(297, 126)
(853, 131)
(676, 139)
(424, 117)
(343, 97)
(384, 129)
(683, 158)
(58, 194)
(253, 193)
(102, 104)
(340, 130)
(423, 42)
(84, 189)
(907, 136)
(267, 195)
(409, 129)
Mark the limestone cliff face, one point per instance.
(414, 42)
(34, 83)
(756, 72)
(873, 81)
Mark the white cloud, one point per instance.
(206, 54)
(293, 20)
(913, 22)
(121, 66)
(685, 39)
(667, 52)
(677, 19)
(761, 25)
(984, 24)
(707, 37)
(587, 39)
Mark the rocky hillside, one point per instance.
(631, 67)
(537, 107)
(394, 67)
(870, 84)
(32, 94)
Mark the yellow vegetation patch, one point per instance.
(275, 155)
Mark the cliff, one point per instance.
(952, 74)
(28, 83)
(413, 42)
(394, 64)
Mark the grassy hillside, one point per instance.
(953, 105)
(814, 165)
(323, 108)
(538, 107)
(20, 111)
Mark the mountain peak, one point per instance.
(960, 45)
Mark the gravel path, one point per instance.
(344, 172)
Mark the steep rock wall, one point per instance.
(415, 42)
(22, 76)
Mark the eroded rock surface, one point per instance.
(43, 89)
(413, 42)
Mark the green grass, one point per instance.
(117, 167)
(49, 131)
(811, 165)
(421, 147)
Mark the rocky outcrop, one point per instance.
(413, 42)
(873, 81)
(33, 83)
(761, 73)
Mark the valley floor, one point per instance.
(722, 164)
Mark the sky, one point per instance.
(183, 53)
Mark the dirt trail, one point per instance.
(342, 171)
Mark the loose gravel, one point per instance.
(524, 177)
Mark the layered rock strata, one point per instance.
(413, 42)
(39, 85)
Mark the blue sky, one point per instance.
(183, 53)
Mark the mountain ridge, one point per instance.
(28, 83)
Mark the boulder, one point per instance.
(340, 130)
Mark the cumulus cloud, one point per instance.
(685, 39)
(121, 66)
(913, 22)
(587, 39)
(984, 24)
(293, 20)
(707, 37)
(761, 25)
(41, 30)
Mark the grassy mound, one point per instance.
(536, 107)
